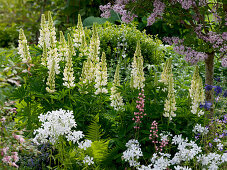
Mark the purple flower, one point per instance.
(208, 87)
(217, 79)
(218, 90)
(225, 93)
(206, 106)
(210, 145)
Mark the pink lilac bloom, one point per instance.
(4, 151)
(158, 10)
(224, 62)
(106, 10)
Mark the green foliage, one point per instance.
(94, 130)
(119, 40)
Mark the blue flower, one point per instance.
(218, 90)
(208, 87)
(225, 94)
(206, 106)
(217, 79)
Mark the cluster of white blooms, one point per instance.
(170, 103)
(85, 144)
(115, 97)
(62, 47)
(23, 48)
(137, 74)
(68, 71)
(181, 168)
(133, 152)
(88, 160)
(199, 129)
(196, 92)
(212, 160)
(101, 76)
(55, 124)
(94, 46)
(187, 152)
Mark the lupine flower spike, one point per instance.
(115, 97)
(63, 47)
(68, 71)
(78, 33)
(23, 48)
(94, 46)
(167, 78)
(101, 76)
(197, 93)
(137, 74)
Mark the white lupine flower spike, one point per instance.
(23, 48)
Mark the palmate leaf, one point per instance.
(94, 130)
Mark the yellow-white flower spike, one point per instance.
(63, 47)
(23, 48)
(167, 70)
(94, 46)
(137, 74)
(101, 76)
(44, 55)
(44, 33)
(51, 77)
(78, 33)
(70, 45)
(170, 103)
(197, 93)
(115, 97)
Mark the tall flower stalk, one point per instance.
(78, 33)
(115, 97)
(167, 79)
(197, 93)
(101, 76)
(23, 48)
(68, 71)
(94, 46)
(137, 74)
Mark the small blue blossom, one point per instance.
(208, 87)
(225, 93)
(206, 106)
(217, 79)
(218, 90)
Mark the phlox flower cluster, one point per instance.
(55, 124)
(68, 71)
(101, 76)
(197, 93)
(23, 48)
(201, 130)
(140, 113)
(115, 97)
(187, 152)
(84, 144)
(88, 160)
(137, 74)
(133, 153)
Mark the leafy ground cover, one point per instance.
(109, 97)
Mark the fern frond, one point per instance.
(94, 130)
